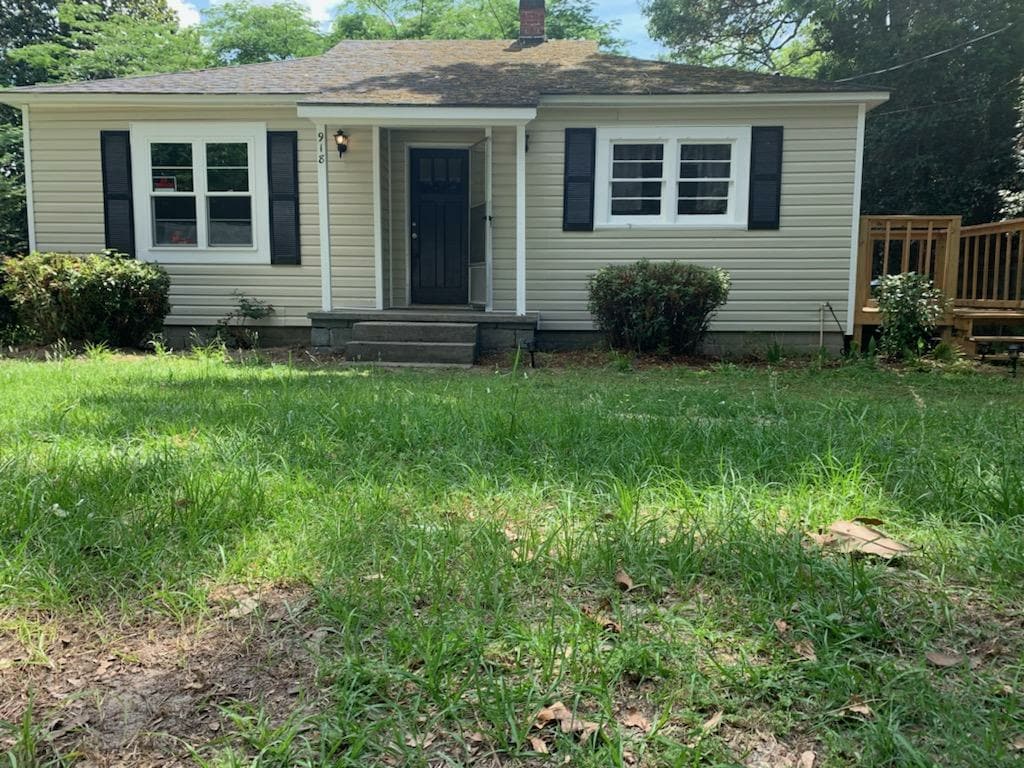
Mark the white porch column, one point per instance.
(521, 219)
(378, 234)
(326, 297)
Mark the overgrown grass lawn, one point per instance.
(455, 547)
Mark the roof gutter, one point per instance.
(870, 99)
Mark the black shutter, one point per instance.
(578, 194)
(765, 177)
(283, 182)
(118, 214)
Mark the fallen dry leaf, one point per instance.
(1018, 744)
(853, 537)
(858, 707)
(608, 624)
(805, 649)
(246, 605)
(623, 580)
(940, 659)
(567, 721)
(537, 745)
(713, 722)
(634, 718)
(421, 740)
(781, 626)
(807, 760)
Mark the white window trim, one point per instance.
(143, 134)
(673, 136)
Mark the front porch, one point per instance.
(442, 195)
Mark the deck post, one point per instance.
(324, 212)
(521, 219)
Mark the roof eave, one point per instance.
(870, 99)
(16, 98)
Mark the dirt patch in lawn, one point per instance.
(116, 694)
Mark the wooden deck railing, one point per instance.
(980, 266)
(890, 245)
(991, 268)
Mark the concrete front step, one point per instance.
(445, 353)
(444, 333)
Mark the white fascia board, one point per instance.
(401, 116)
(869, 98)
(100, 99)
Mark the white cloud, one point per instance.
(188, 14)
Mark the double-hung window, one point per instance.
(200, 192)
(673, 176)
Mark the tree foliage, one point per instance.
(944, 143)
(466, 20)
(90, 44)
(244, 32)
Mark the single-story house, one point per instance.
(464, 183)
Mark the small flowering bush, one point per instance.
(910, 307)
(656, 306)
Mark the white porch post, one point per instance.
(858, 172)
(26, 143)
(521, 219)
(378, 234)
(326, 298)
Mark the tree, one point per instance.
(44, 40)
(91, 45)
(944, 142)
(466, 20)
(26, 22)
(242, 32)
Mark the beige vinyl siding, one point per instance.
(503, 227)
(68, 198)
(350, 200)
(779, 278)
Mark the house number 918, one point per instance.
(321, 156)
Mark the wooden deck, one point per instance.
(980, 268)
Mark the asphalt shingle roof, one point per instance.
(452, 73)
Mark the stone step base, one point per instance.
(443, 353)
(444, 333)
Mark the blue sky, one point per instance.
(627, 12)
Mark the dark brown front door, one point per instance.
(439, 225)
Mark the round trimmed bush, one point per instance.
(96, 298)
(661, 306)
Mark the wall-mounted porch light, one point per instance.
(341, 140)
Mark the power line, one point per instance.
(928, 56)
(917, 107)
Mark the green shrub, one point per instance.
(910, 307)
(656, 307)
(96, 298)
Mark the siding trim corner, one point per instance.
(26, 143)
(858, 171)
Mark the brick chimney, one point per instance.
(531, 22)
